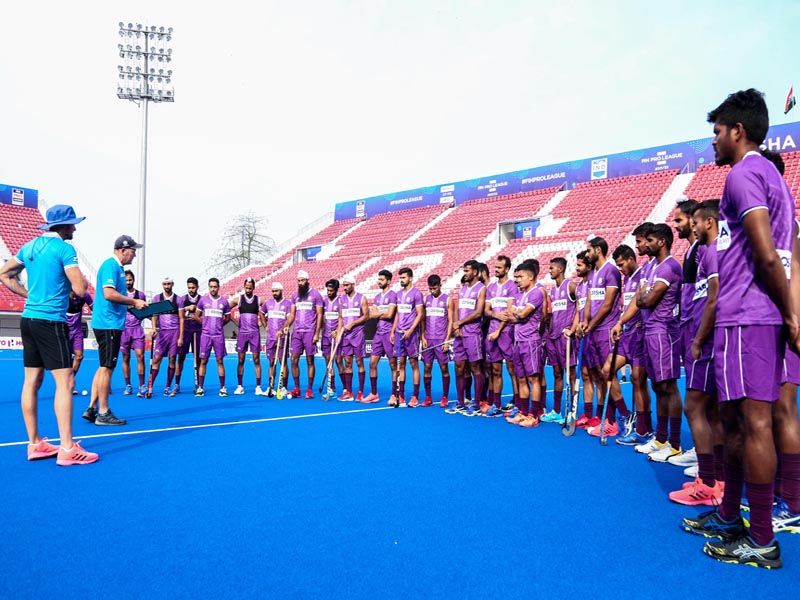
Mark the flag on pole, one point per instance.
(790, 101)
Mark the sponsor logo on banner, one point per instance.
(599, 168)
(446, 194)
(17, 197)
(10, 343)
(361, 209)
(527, 232)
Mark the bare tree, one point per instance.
(244, 242)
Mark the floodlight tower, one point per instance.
(143, 78)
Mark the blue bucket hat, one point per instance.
(61, 214)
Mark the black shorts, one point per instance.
(45, 344)
(108, 341)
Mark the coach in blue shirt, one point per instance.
(108, 321)
(52, 266)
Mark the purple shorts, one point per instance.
(381, 346)
(166, 342)
(748, 362)
(700, 373)
(249, 342)
(663, 358)
(354, 343)
(303, 343)
(791, 367)
(326, 343)
(132, 337)
(501, 349)
(687, 337)
(631, 346)
(467, 347)
(556, 350)
(527, 358)
(437, 354)
(191, 340)
(597, 348)
(216, 343)
(76, 337)
(409, 347)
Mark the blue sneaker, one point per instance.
(455, 410)
(472, 411)
(625, 425)
(493, 412)
(710, 524)
(552, 417)
(142, 393)
(128, 390)
(173, 391)
(166, 391)
(634, 439)
(512, 413)
(783, 519)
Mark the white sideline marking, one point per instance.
(206, 425)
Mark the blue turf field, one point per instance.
(341, 500)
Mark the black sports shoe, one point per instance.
(744, 551)
(90, 414)
(710, 524)
(108, 418)
(508, 407)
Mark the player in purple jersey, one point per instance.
(213, 312)
(659, 301)
(74, 325)
(467, 343)
(500, 333)
(275, 311)
(355, 313)
(563, 316)
(583, 268)
(629, 330)
(383, 309)
(167, 336)
(132, 338)
(307, 318)
(407, 327)
(437, 328)
(754, 320)
(691, 260)
(701, 406)
(600, 314)
(249, 321)
(330, 331)
(191, 332)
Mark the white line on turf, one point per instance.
(207, 425)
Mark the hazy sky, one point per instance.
(286, 108)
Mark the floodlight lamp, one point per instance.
(169, 30)
(152, 28)
(130, 26)
(120, 68)
(169, 51)
(160, 58)
(161, 29)
(121, 33)
(169, 73)
(169, 38)
(121, 25)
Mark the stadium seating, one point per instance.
(19, 225)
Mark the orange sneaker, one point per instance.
(43, 449)
(75, 456)
(392, 400)
(696, 494)
(414, 402)
(515, 420)
(371, 398)
(529, 421)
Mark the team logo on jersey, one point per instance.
(724, 236)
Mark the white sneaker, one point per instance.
(649, 447)
(259, 391)
(685, 459)
(691, 472)
(223, 391)
(663, 454)
(239, 391)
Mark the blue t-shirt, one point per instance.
(105, 314)
(46, 259)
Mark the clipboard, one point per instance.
(154, 309)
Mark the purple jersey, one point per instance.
(664, 317)
(130, 320)
(436, 317)
(752, 184)
(75, 309)
(383, 301)
(694, 252)
(305, 316)
(467, 301)
(276, 313)
(563, 306)
(330, 311)
(581, 293)
(706, 270)
(606, 276)
(214, 312)
(632, 283)
(528, 330)
(498, 295)
(248, 314)
(169, 320)
(189, 324)
(407, 303)
(351, 310)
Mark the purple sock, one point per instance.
(445, 385)
(222, 381)
(141, 379)
(649, 420)
(343, 379)
(661, 428)
(760, 497)
(675, 432)
(468, 386)
(460, 394)
(415, 389)
(641, 424)
(522, 405)
(361, 377)
(258, 381)
(621, 407)
(719, 462)
(790, 480)
(239, 378)
(201, 379)
(498, 399)
(479, 387)
(170, 375)
(587, 409)
(373, 383)
(599, 409)
(427, 382)
(557, 395)
(732, 498)
(611, 411)
(705, 468)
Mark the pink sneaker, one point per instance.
(414, 402)
(359, 397)
(428, 401)
(611, 430)
(75, 456)
(392, 400)
(43, 449)
(581, 422)
(444, 402)
(371, 399)
(697, 493)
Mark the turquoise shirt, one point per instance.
(105, 314)
(46, 259)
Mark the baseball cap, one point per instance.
(61, 214)
(126, 241)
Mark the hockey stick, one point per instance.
(568, 427)
(611, 374)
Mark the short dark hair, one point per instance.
(406, 271)
(583, 257)
(560, 261)
(192, 280)
(214, 279)
(531, 265)
(129, 272)
(434, 279)
(473, 264)
(775, 159)
(385, 273)
(334, 283)
(708, 208)
(662, 231)
(746, 107)
(598, 242)
(643, 229)
(624, 252)
(504, 259)
(686, 207)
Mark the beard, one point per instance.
(302, 289)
